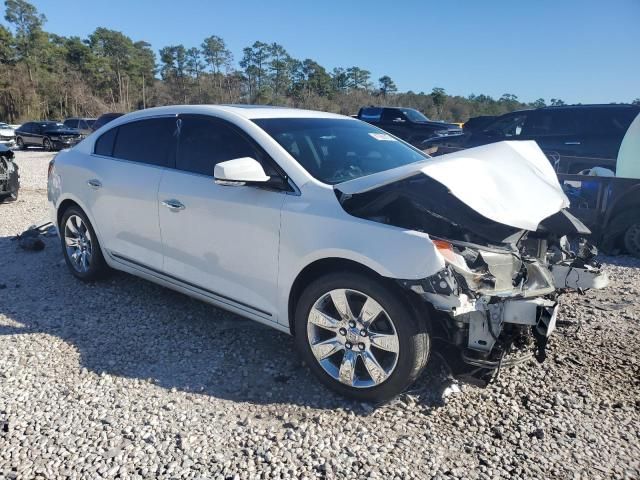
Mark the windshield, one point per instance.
(4, 125)
(337, 150)
(414, 115)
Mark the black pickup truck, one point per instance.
(407, 123)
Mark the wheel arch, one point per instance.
(323, 266)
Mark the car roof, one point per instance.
(251, 112)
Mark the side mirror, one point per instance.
(238, 172)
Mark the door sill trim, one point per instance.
(191, 286)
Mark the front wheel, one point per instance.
(359, 337)
(46, 144)
(20, 144)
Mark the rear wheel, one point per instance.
(359, 338)
(80, 246)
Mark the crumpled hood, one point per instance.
(511, 183)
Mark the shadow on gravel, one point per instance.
(129, 327)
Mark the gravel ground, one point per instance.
(125, 379)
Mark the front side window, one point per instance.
(393, 115)
(149, 141)
(414, 115)
(71, 123)
(507, 126)
(337, 150)
(206, 141)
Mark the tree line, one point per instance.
(48, 76)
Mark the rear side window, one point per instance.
(206, 141)
(149, 141)
(608, 121)
(104, 144)
(552, 122)
(371, 114)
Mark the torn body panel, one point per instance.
(9, 177)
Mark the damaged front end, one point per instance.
(500, 307)
(496, 299)
(9, 177)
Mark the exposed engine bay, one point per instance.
(497, 298)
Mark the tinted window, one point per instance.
(507, 126)
(205, 141)
(414, 115)
(608, 121)
(552, 122)
(26, 128)
(371, 114)
(104, 144)
(149, 141)
(337, 150)
(71, 123)
(393, 115)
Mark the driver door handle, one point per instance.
(173, 205)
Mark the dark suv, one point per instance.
(574, 137)
(85, 125)
(48, 135)
(407, 123)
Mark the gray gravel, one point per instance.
(125, 379)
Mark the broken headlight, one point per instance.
(493, 272)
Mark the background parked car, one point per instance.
(575, 137)
(7, 135)
(104, 119)
(407, 123)
(83, 124)
(48, 135)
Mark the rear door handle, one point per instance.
(94, 182)
(173, 205)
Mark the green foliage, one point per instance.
(43, 75)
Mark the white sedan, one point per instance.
(328, 228)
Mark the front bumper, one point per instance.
(60, 144)
(504, 322)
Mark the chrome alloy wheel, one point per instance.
(359, 350)
(78, 242)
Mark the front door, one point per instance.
(222, 240)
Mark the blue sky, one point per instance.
(584, 51)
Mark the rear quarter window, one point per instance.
(104, 144)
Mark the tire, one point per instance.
(395, 327)
(81, 249)
(20, 144)
(632, 239)
(47, 145)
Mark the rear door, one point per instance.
(127, 165)
(221, 239)
(557, 132)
